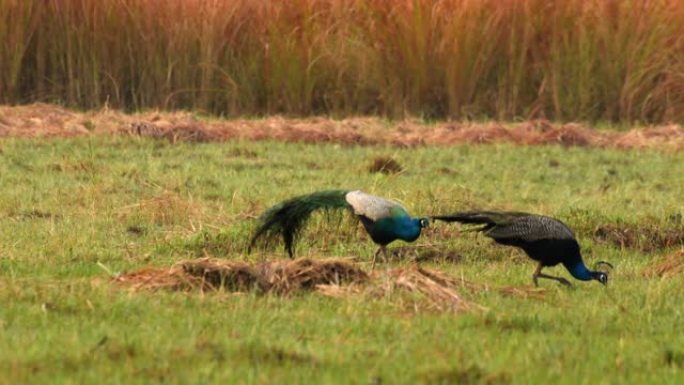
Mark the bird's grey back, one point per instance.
(531, 228)
(370, 206)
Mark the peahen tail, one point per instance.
(288, 218)
(487, 218)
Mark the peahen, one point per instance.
(544, 239)
(384, 220)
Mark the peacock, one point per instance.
(544, 239)
(384, 220)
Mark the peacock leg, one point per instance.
(383, 250)
(538, 274)
(385, 257)
(375, 256)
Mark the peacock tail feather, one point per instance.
(288, 218)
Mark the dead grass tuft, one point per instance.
(436, 290)
(281, 277)
(537, 125)
(485, 134)
(641, 237)
(182, 132)
(566, 135)
(229, 275)
(669, 266)
(48, 120)
(414, 289)
(670, 136)
(160, 279)
(288, 276)
(385, 165)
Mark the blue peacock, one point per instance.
(544, 239)
(384, 220)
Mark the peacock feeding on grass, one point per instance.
(384, 220)
(544, 239)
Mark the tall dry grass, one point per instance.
(614, 60)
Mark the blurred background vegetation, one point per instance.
(619, 61)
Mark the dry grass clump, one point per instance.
(46, 120)
(183, 132)
(414, 288)
(40, 120)
(160, 279)
(668, 136)
(385, 165)
(280, 277)
(417, 289)
(567, 135)
(217, 274)
(306, 274)
(642, 237)
(669, 266)
(436, 290)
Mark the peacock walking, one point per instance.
(384, 220)
(544, 239)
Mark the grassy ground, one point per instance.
(124, 202)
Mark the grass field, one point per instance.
(71, 206)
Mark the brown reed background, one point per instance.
(590, 60)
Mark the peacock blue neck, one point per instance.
(386, 230)
(579, 271)
(413, 230)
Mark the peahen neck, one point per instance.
(579, 271)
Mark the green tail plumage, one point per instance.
(288, 218)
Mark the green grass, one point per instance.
(68, 204)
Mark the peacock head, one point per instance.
(601, 276)
(424, 223)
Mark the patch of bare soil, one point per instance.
(42, 120)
